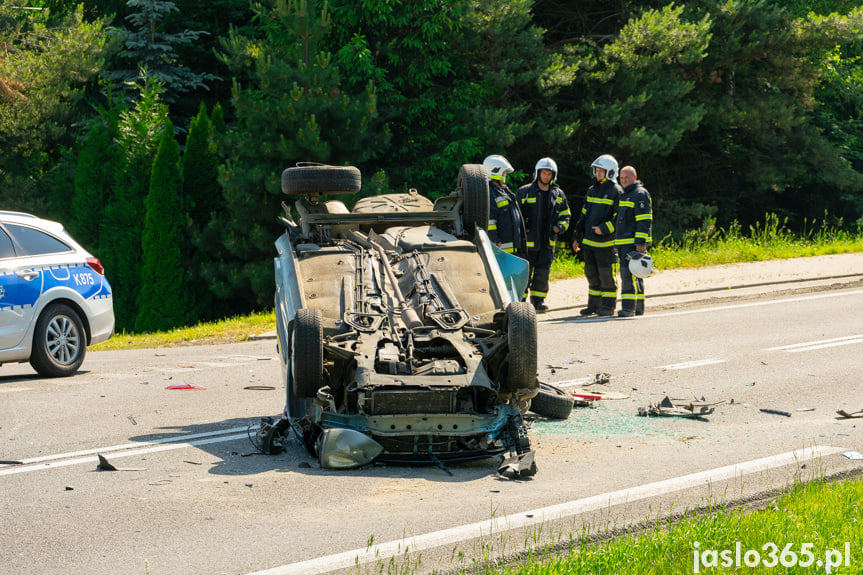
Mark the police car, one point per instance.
(54, 297)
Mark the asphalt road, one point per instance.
(192, 497)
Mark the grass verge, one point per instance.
(813, 527)
(239, 328)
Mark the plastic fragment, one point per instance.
(185, 385)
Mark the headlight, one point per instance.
(346, 449)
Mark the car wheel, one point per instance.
(307, 353)
(552, 402)
(521, 337)
(321, 180)
(473, 184)
(59, 343)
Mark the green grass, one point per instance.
(704, 247)
(230, 330)
(814, 516)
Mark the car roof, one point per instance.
(49, 226)
(30, 219)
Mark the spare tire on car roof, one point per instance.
(321, 179)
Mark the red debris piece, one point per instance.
(589, 396)
(185, 385)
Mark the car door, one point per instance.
(20, 287)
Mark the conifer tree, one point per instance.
(290, 106)
(120, 236)
(149, 45)
(203, 200)
(162, 299)
(94, 175)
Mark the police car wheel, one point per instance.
(59, 343)
(474, 189)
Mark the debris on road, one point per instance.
(597, 395)
(105, 465)
(600, 379)
(185, 385)
(846, 415)
(551, 401)
(679, 408)
(776, 412)
(853, 454)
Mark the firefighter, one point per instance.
(546, 215)
(634, 234)
(505, 224)
(595, 233)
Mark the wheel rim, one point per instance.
(63, 340)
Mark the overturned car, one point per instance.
(402, 334)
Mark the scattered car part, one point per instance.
(776, 412)
(678, 408)
(552, 402)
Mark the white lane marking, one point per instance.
(126, 450)
(690, 364)
(350, 559)
(756, 304)
(821, 344)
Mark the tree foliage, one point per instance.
(42, 74)
(728, 108)
(290, 108)
(137, 140)
(148, 45)
(162, 300)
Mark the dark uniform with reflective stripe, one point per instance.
(542, 211)
(634, 228)
(505, 224)
(600, 258)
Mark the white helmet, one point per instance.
(640, 264)
(497, 167)
(607, 163)
(545, 164)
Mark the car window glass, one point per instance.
(34, 243)
(6, 249)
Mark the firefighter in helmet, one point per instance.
(546, 215)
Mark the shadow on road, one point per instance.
(227, 448)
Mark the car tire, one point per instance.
(59, 342)
(321, 180)
(521, 336)
(552, 402)
(307, 353)
(473, 185)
